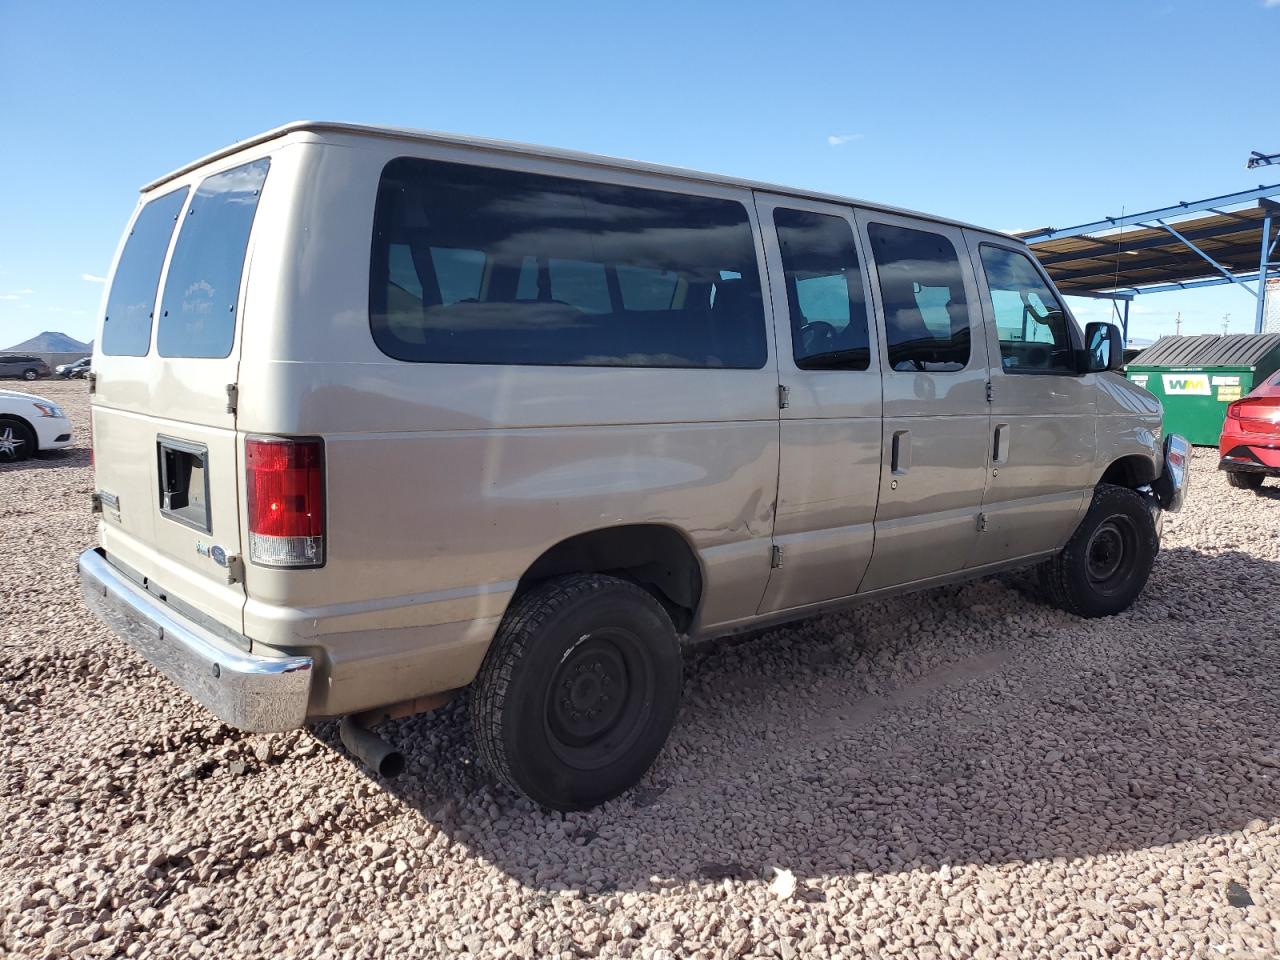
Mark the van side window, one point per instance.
(824, 291)
(198, 308)
(126, 329)
(926, 316)
(1032, 326)
(559, 271)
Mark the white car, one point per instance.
(30, 424)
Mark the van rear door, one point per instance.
(164, 415)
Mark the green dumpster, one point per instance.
(1196, 377)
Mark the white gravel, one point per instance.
(964, 773)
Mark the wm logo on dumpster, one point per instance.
(1191, 384)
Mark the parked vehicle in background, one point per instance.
(74, 371)
(21, 365)
(419, 412)
(1250, 444)
(30, 425)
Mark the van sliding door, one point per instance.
(829, 367)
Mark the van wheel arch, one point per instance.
(656, 557)
(1130, 471)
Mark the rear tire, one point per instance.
(1244, 481)
(578, 691)
(17, 441)
(1105, 564)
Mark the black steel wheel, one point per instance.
(1107, 561)
(578, 691)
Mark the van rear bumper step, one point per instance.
(257, 694)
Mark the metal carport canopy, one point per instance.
(1189, 244)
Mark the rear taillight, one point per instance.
(1256, 414)
(285, 484)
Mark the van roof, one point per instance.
(526, 149)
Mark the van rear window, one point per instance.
(478, 265)
(126, 329)
(198, 308)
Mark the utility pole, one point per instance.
(1226, 320)
(1177, 324)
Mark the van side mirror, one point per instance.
(1104, 348)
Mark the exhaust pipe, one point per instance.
(370, 749)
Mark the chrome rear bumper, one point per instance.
(254, 693)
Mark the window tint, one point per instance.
(926, 316)
(550, 270)
(824, 290)
(197, 311)
(126, 329)
(646, 288)
(1033, 327)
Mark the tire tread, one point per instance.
(521, 626)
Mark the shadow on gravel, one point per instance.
(49, 460)
(958, 726)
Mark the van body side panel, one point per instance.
(926, 520)
(1129, 423)
(1046, 423)
(830, 445)
(445, 482)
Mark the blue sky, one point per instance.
(1008, 114)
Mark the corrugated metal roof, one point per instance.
(1209, 350)
(1143, 256)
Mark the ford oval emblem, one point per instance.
(219, 555)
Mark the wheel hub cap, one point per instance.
(9, 443)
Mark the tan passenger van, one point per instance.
(381, 415)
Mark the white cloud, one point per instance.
(23, 292)
(93, 278)
(1271, 3)
(840, 139)
(9, 296)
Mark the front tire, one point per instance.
(578, 691)
(30, 375)
(1105, 564)
(1244, 481)
(17, 441)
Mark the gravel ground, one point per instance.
(966, 773)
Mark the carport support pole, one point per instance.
(1125, 322)
(1262, 272)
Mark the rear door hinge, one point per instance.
(775, 557)
(93, 381)
(95, 502)
(233, 397)
(784, 396)
(235, 569)
(982, 522)
(990, 391)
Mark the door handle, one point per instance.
(900, 452)
(1000, 447)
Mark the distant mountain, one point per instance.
(51, 342)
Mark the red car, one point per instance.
(1250, 443)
